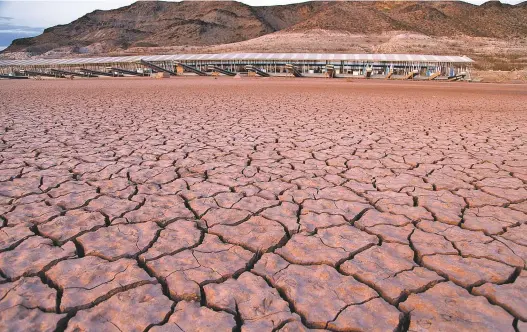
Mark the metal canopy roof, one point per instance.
(245, 56)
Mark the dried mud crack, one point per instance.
(220, 205)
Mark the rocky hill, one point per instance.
(205, 23)
(157, 23)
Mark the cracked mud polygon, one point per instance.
(262, 205)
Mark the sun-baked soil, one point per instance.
(199, 204)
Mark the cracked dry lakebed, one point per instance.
(195, 204)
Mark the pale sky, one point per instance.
(20, 18)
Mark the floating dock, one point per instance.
(373, 66)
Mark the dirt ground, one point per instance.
(495, 76)
(194, 204)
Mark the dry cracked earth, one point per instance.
(262, 205)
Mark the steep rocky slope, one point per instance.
(201, 23)
(159, 23)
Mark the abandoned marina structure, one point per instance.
(390, 66)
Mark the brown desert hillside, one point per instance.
(158, 23)
(441, 18)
